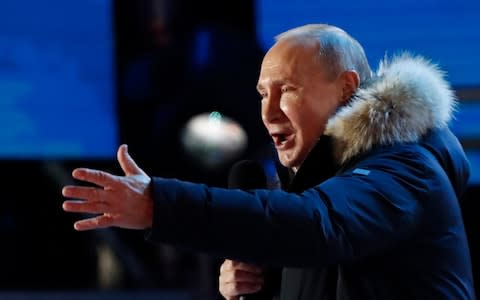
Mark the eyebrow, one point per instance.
(275, 82)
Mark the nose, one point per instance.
(271, 111)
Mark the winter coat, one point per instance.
(372, 213)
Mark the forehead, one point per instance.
(297, 56)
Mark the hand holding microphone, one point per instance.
(238, 280)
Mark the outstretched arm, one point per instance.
(121, 201)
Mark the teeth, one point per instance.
(281, 139)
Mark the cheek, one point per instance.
(285, 108)
(289, 103)
(313, 122)
(292, 109)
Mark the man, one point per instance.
(372, 211)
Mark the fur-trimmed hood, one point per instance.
(407, 96)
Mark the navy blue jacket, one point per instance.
(389, 223)
(382, 222)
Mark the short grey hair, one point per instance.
(338, 50)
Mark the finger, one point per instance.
(85, 207)
(242, 276)
(128, 165)
(226, 265)
(231, 265)
(237, 289)
(97, 177)
(83, 192)
(245, 267)
(99, 222)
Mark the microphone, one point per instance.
(247, 175)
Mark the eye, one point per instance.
(263, 94)
(287, 89)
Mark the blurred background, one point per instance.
(79, 77)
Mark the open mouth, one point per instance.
(281, 139)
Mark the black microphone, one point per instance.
(247, 175)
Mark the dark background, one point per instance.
(173, 60)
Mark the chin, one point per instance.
(288, 162)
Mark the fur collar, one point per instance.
(407, 96)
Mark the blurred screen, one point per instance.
(57, 91)
(447, 32)
(466, 125)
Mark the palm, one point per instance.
(122, 201)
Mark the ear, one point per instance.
(350, 81)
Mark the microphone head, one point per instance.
(247, 175)
(213, 140)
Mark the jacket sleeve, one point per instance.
(370, 207)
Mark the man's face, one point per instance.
(297, 98)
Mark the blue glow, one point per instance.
(474, 159)
(202, 47)
(447, 32)
(57, 91)
(466, 123)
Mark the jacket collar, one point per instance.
(317, 167)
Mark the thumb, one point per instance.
(128, 165)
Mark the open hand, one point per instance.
(121, 201)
